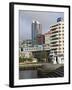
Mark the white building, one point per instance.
(57, 38)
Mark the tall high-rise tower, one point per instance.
(36, 31)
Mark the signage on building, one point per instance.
(59, 19)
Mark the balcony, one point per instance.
(54, 34)
(54, 40)
(56, 31)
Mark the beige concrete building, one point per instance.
(57, 38)
(47, 39)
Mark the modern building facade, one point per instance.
(40, 39)
(57, 38)
(36, 31)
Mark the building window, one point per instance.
(54, 42)
(54, 38)
(59, 30)
(55, 32)
(59, 52)
(59, 27)
(54, 25)
(54, 29)
(59, 41)
(55, 45)
(21, 49)
(54, 48)
(59, 24)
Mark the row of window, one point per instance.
(55, 25)
(57, 45)
(53, 29)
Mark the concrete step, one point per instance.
(59, 72)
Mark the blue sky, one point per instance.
(45, 18)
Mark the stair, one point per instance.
(59, 72)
